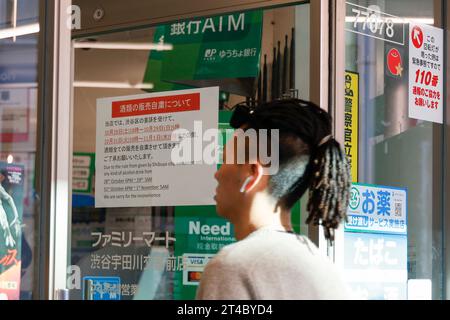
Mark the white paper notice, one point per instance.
(426, 67)
(134, 145)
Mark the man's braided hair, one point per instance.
(308, 158)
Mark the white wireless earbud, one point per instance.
(244, 185)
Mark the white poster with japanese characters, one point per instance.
(377, 209)
(375, 260)
(375, 266)
(426, 72)
(137, 139)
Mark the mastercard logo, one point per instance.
(194, 276)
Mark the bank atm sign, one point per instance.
(377, 209)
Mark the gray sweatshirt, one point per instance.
(270, 264)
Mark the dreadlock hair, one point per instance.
(308, 158)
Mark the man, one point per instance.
(269, 261)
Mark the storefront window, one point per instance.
(19, 26)
(141, 227)
(394, 137)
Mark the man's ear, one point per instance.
(257, 172)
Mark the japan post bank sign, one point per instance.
(377, 209)
(426, 77)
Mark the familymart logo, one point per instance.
(242, 146)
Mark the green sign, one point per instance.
(201, 233)
(208, 52)
(83, 170)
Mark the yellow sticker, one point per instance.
(351, 121)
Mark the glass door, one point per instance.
(139, 231)
(394, 137)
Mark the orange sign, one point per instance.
(163, 104)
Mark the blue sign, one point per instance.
(82, 200)
(20, 73)
(377, 209)
(101, 288)
(376, 265)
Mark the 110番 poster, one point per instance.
(426, 73)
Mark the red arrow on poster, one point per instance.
(417, 37)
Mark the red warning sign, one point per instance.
(426, 73)
(417, 37)
(394, 62)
